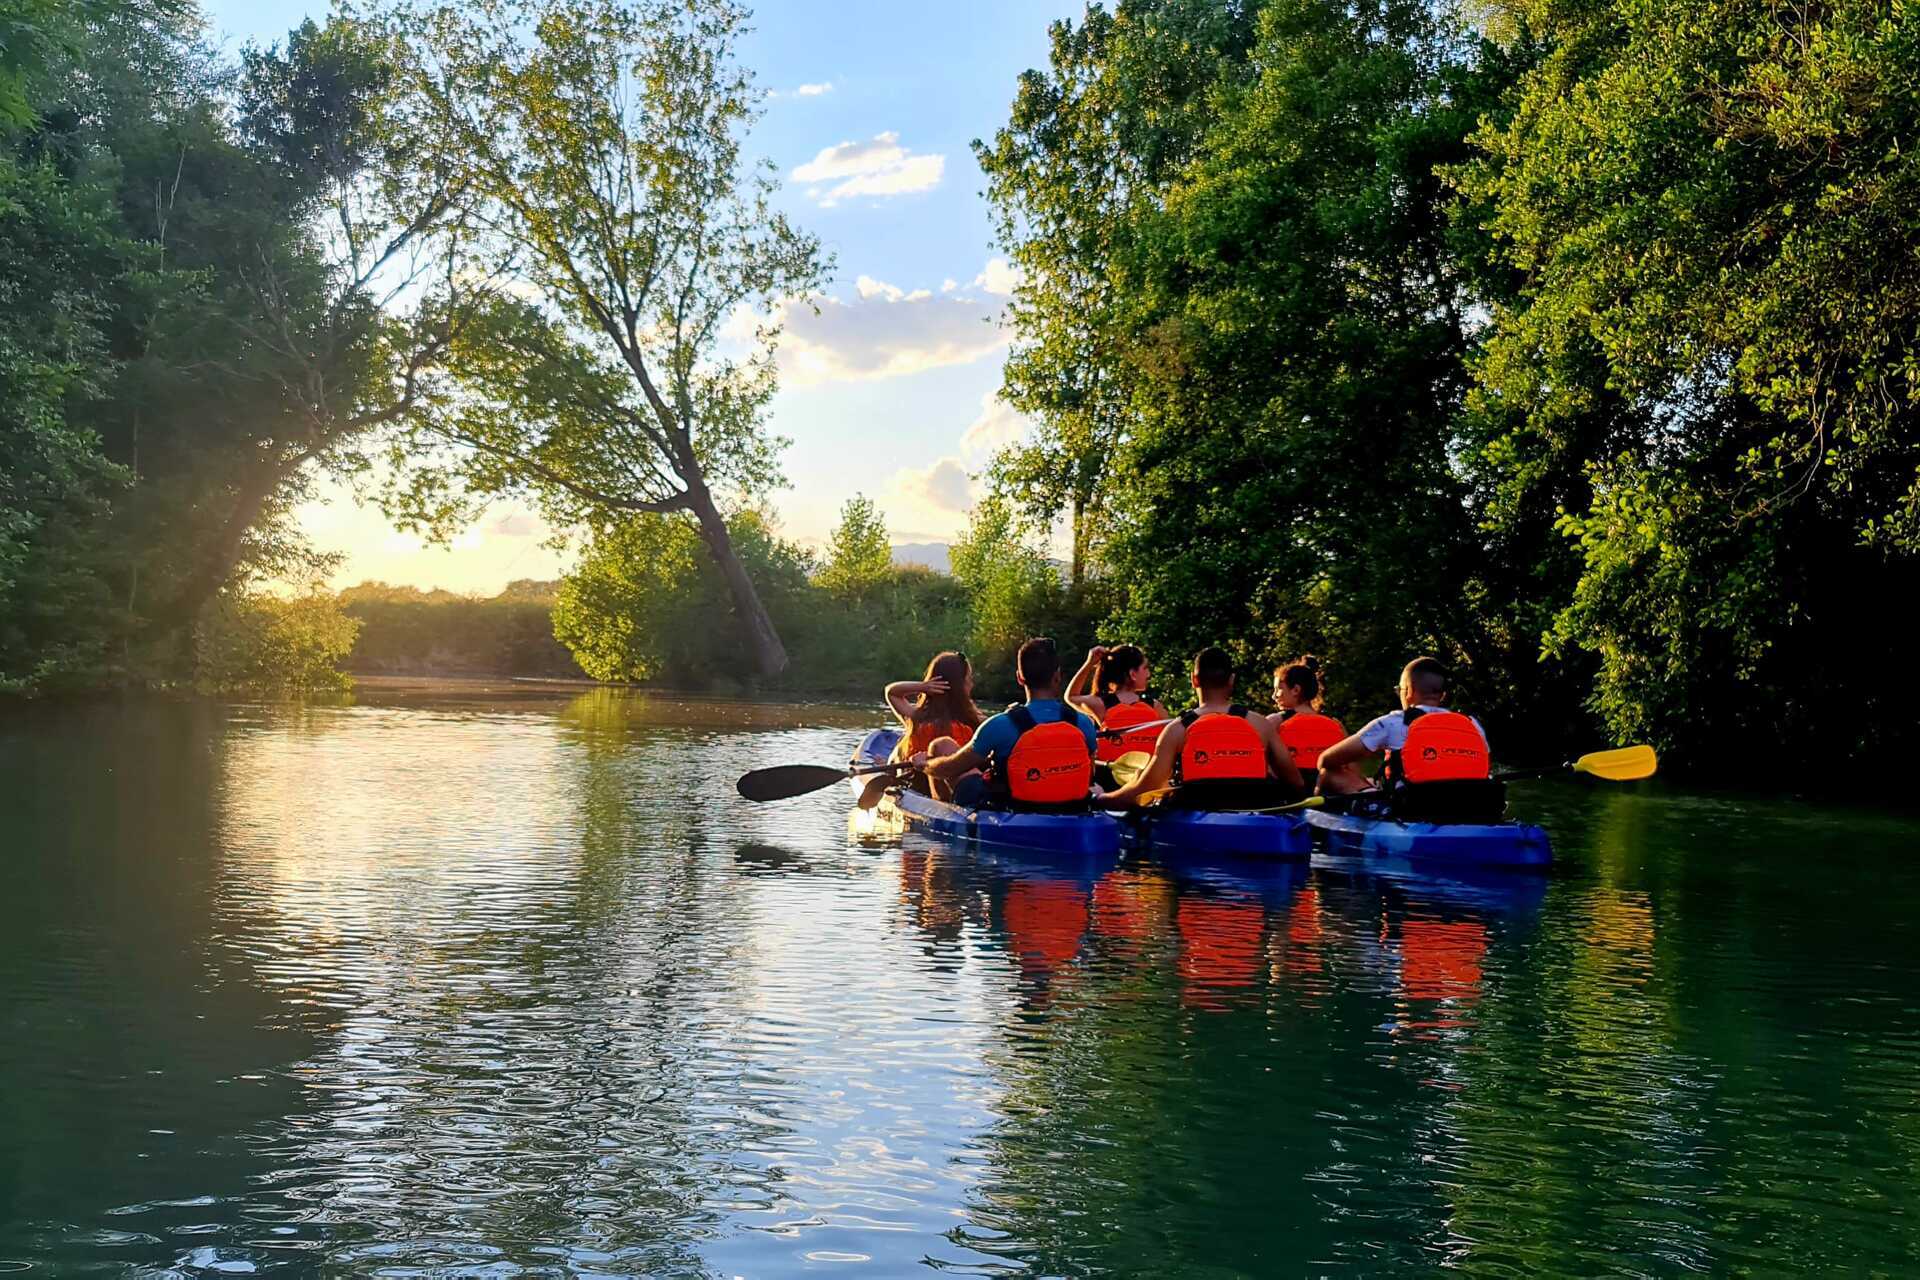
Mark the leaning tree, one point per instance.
(599, 147)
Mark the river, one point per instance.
(514, 984)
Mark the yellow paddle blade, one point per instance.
(1622, 764)
(1130, 766)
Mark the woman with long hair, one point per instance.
(936, 707)
(1304, 729)
(1120, 698)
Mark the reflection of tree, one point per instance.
(530, 1034)
(136, 1045)
(1208, 1084)
(1580, 1096)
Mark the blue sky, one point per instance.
(889, 391)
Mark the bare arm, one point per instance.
(963, 761)
(901, 693)
(1159, 771)
(1278, 757)
(1076, 693)
(1349, 750)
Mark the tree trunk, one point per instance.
(1078, 573)
(217, 566)
(769, 654)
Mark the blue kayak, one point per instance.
(1207, 832)
(1091, 832)
(1484, 844)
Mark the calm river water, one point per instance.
(479, 987)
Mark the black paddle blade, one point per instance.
(783, 782)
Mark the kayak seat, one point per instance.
(1229, 795)
(1458, 800)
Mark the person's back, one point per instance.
(1037, 753)
(1425, 741)
(936, 710)
(1216, 747)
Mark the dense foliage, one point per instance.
(642, 606)
(406, 631)
(181, 348)
(1574, 342)
(1714, 352)
(269, 642)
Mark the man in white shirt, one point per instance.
(1423, 689)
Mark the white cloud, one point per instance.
(999, 277)
(998, 425)
(949, 285)
(815, 90)
(886, 332)
(941, 490)
(878, 167)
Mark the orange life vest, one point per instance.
(1049, 763)
(1442, 746)
(1220, 746)
(1305, 734)
(925, 731)
(1122, 715)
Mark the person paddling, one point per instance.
(1038, 755)
(937, 707)
(1424, 741)
(1304, 729)
(1121, 700)
(1217, 741)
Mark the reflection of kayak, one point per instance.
(1197, 831)
(1091, 832)
(1486, 844)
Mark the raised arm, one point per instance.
(1076, 694)
(1159, 771)
(901, 693)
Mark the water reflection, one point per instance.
(524, 989)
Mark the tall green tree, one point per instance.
(1709, 206)
(859, 553)
(598, 147)
(1091, 139)
(1299, 320)
(210, 350)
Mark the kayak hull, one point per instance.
(1482, 844)
(1223, 834)
(1082, 833)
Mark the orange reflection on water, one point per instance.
(932, 895)
(1045, 921)
(1305, 933)
(1132, 906)
(1441, 959)
(1219, 945)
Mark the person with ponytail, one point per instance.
(938, 708)
(1304, 729)
(1120, 700)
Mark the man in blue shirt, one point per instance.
(966, 776)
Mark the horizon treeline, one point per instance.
(1572, 343)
